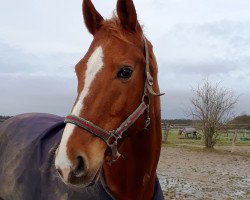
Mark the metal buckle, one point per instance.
(149, 79)
(112, 140)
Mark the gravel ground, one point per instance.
(187, 173)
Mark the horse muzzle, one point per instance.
(78, 174)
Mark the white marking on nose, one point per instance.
(94, 65)
(62, 161)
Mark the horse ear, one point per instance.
(127, 15)
(92, 18)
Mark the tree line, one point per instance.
(2, 117)
(239, 122)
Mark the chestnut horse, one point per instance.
(112, 139)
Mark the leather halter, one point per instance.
(111, 137)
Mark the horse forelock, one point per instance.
(114, 28)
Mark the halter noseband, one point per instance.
(111, 137)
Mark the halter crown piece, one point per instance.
(111, 137)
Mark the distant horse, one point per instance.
(189, 130)
(117, 108)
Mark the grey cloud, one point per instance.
(210, 67)
(174, 104)
(15, 61)
(205, 68)
(209, 48)
(37, 94)
(36, 83)
(225, 28)
(233, 35)
(243, 105)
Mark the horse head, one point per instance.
(112, 85)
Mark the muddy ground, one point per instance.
(188, 173)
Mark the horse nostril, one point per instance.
(80, 167)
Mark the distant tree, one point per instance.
(213, 105)
(4, 117)
(241, 119)
(242, 122)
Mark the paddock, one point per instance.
(188, 172)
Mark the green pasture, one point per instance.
(223, 139)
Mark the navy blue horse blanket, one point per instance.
(27, 171)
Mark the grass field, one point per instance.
(223, 139)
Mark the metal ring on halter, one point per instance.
(113, 142)
(149, 79)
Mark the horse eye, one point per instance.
(125, 73)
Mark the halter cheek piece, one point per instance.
(112, 137)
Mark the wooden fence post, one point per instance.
(166, 135)
(234, 141)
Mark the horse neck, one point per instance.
(133, 175)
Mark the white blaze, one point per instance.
(94, 65)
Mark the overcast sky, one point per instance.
(42, 40)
